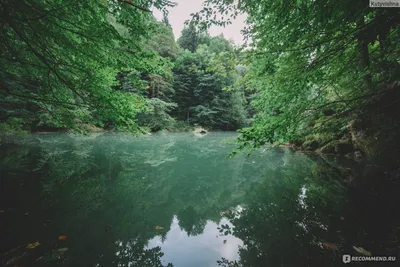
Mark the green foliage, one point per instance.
(219, 44)
(206, 87)
(110, 64)
(312, 68)
(312, 61)
(156, 116)
(59, 60)
(189, 38)
(12, 125)
(163, 41)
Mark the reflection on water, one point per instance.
(171, 200)
(183, 249)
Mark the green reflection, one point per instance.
(278, 203)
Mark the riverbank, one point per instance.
(84, 128)
(367, 132)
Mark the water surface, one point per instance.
(172, 200)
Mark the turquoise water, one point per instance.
(175, 199)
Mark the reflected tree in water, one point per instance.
(289, 213)
(191, 222)
(134, 254)
(138, 185)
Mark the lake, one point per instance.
(178, 200)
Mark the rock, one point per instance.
(200, 130)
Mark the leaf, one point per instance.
(330, 246)
(62, 249)
(362, 251)
(62, 237)
(159, 227)
(33, 245)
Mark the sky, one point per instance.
(179, 14)
(206, 249)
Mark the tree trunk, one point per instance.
(382, 31)
(362, 44)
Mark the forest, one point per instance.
(121, 141)
(318, 75)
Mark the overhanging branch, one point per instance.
(348, 100)
(129, 2)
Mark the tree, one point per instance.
(309, 59)
(163, 41)
(59, 60)
(219, 44)
(157, 117)
(205, 86)
(165, 20)
(189, 38)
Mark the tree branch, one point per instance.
(44, 100)
(128, 2)
(348, 100)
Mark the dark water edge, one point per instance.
(54, 185)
